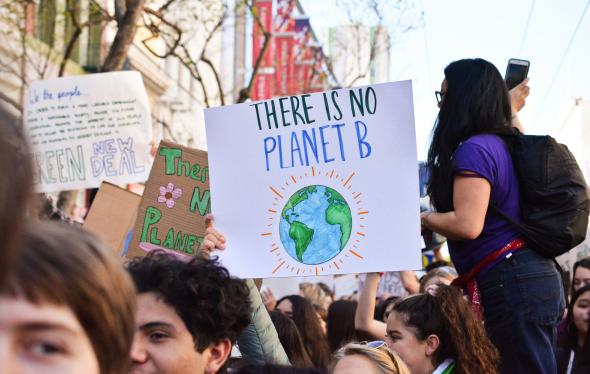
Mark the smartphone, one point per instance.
(516, 71)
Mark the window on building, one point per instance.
(72, 13)
(46, 15)
(94, 37)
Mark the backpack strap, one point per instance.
(494, 208)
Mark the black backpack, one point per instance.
(554, 201)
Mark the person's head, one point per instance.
(66, 203)
(369, 358)
(316, 294)
(474, 100)
(577, 319)
(189, 314)
(291, 340)
(436, 277)
(327, 290)
(438, 264)
(384, 308)
(426, 329)
(341, 323)
(308, 323)
(581, 270)
(68, 306)
(16, 188)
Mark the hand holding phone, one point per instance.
(518, 96)
(516, 72)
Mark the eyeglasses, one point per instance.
(376, 344)
(439, 96)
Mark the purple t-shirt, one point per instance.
(487, 156)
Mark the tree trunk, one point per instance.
(125, 35)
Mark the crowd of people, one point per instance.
(68, 305)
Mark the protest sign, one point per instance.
(171, 216)
(345, 285)
(112, 215)
(317, 184)
(88, 129)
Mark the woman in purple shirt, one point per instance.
(518, 292)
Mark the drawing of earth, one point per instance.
(315, 224)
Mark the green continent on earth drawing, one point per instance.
(315, 224)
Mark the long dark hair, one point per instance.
(291, 340)
(449, 316)
(308, 324)
(476, 101)
(569, 340)
(341, 323)
(583, 263)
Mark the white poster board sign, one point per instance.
(317, 184)
(88, 129)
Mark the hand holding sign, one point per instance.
(214, 240)
(171, 216)
(322, 181)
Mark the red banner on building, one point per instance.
(284, 18)
(303, 37)
(263, 86)
(318, 76)
(284, 63)
(264, 10)
(284, 41)
(263, 82)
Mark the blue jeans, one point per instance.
(523, 300)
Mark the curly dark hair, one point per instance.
(212, 304)
(449, 316)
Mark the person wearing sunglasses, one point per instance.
(369, 358)
(516, 290)
(439, 334)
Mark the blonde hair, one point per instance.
(385, 360)
(315, 294)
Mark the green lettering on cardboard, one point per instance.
(190, 245)
(178, 243)
(169, 241)
(203, 202)
(200, 240)
(204, 174)
(170, 155)
(183, 168)
(195, 171)
(152, 216)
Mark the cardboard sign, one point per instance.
(88, 129)
(317, 184)
(112, 215)
(171, 216)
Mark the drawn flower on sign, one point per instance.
(169, 195)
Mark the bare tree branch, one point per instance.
(73, 39)
(245, 93)
(11, 101)
(166, 5)
(124, 37)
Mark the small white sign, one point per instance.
(317, 184)
(88, 129)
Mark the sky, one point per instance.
(496, 31)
